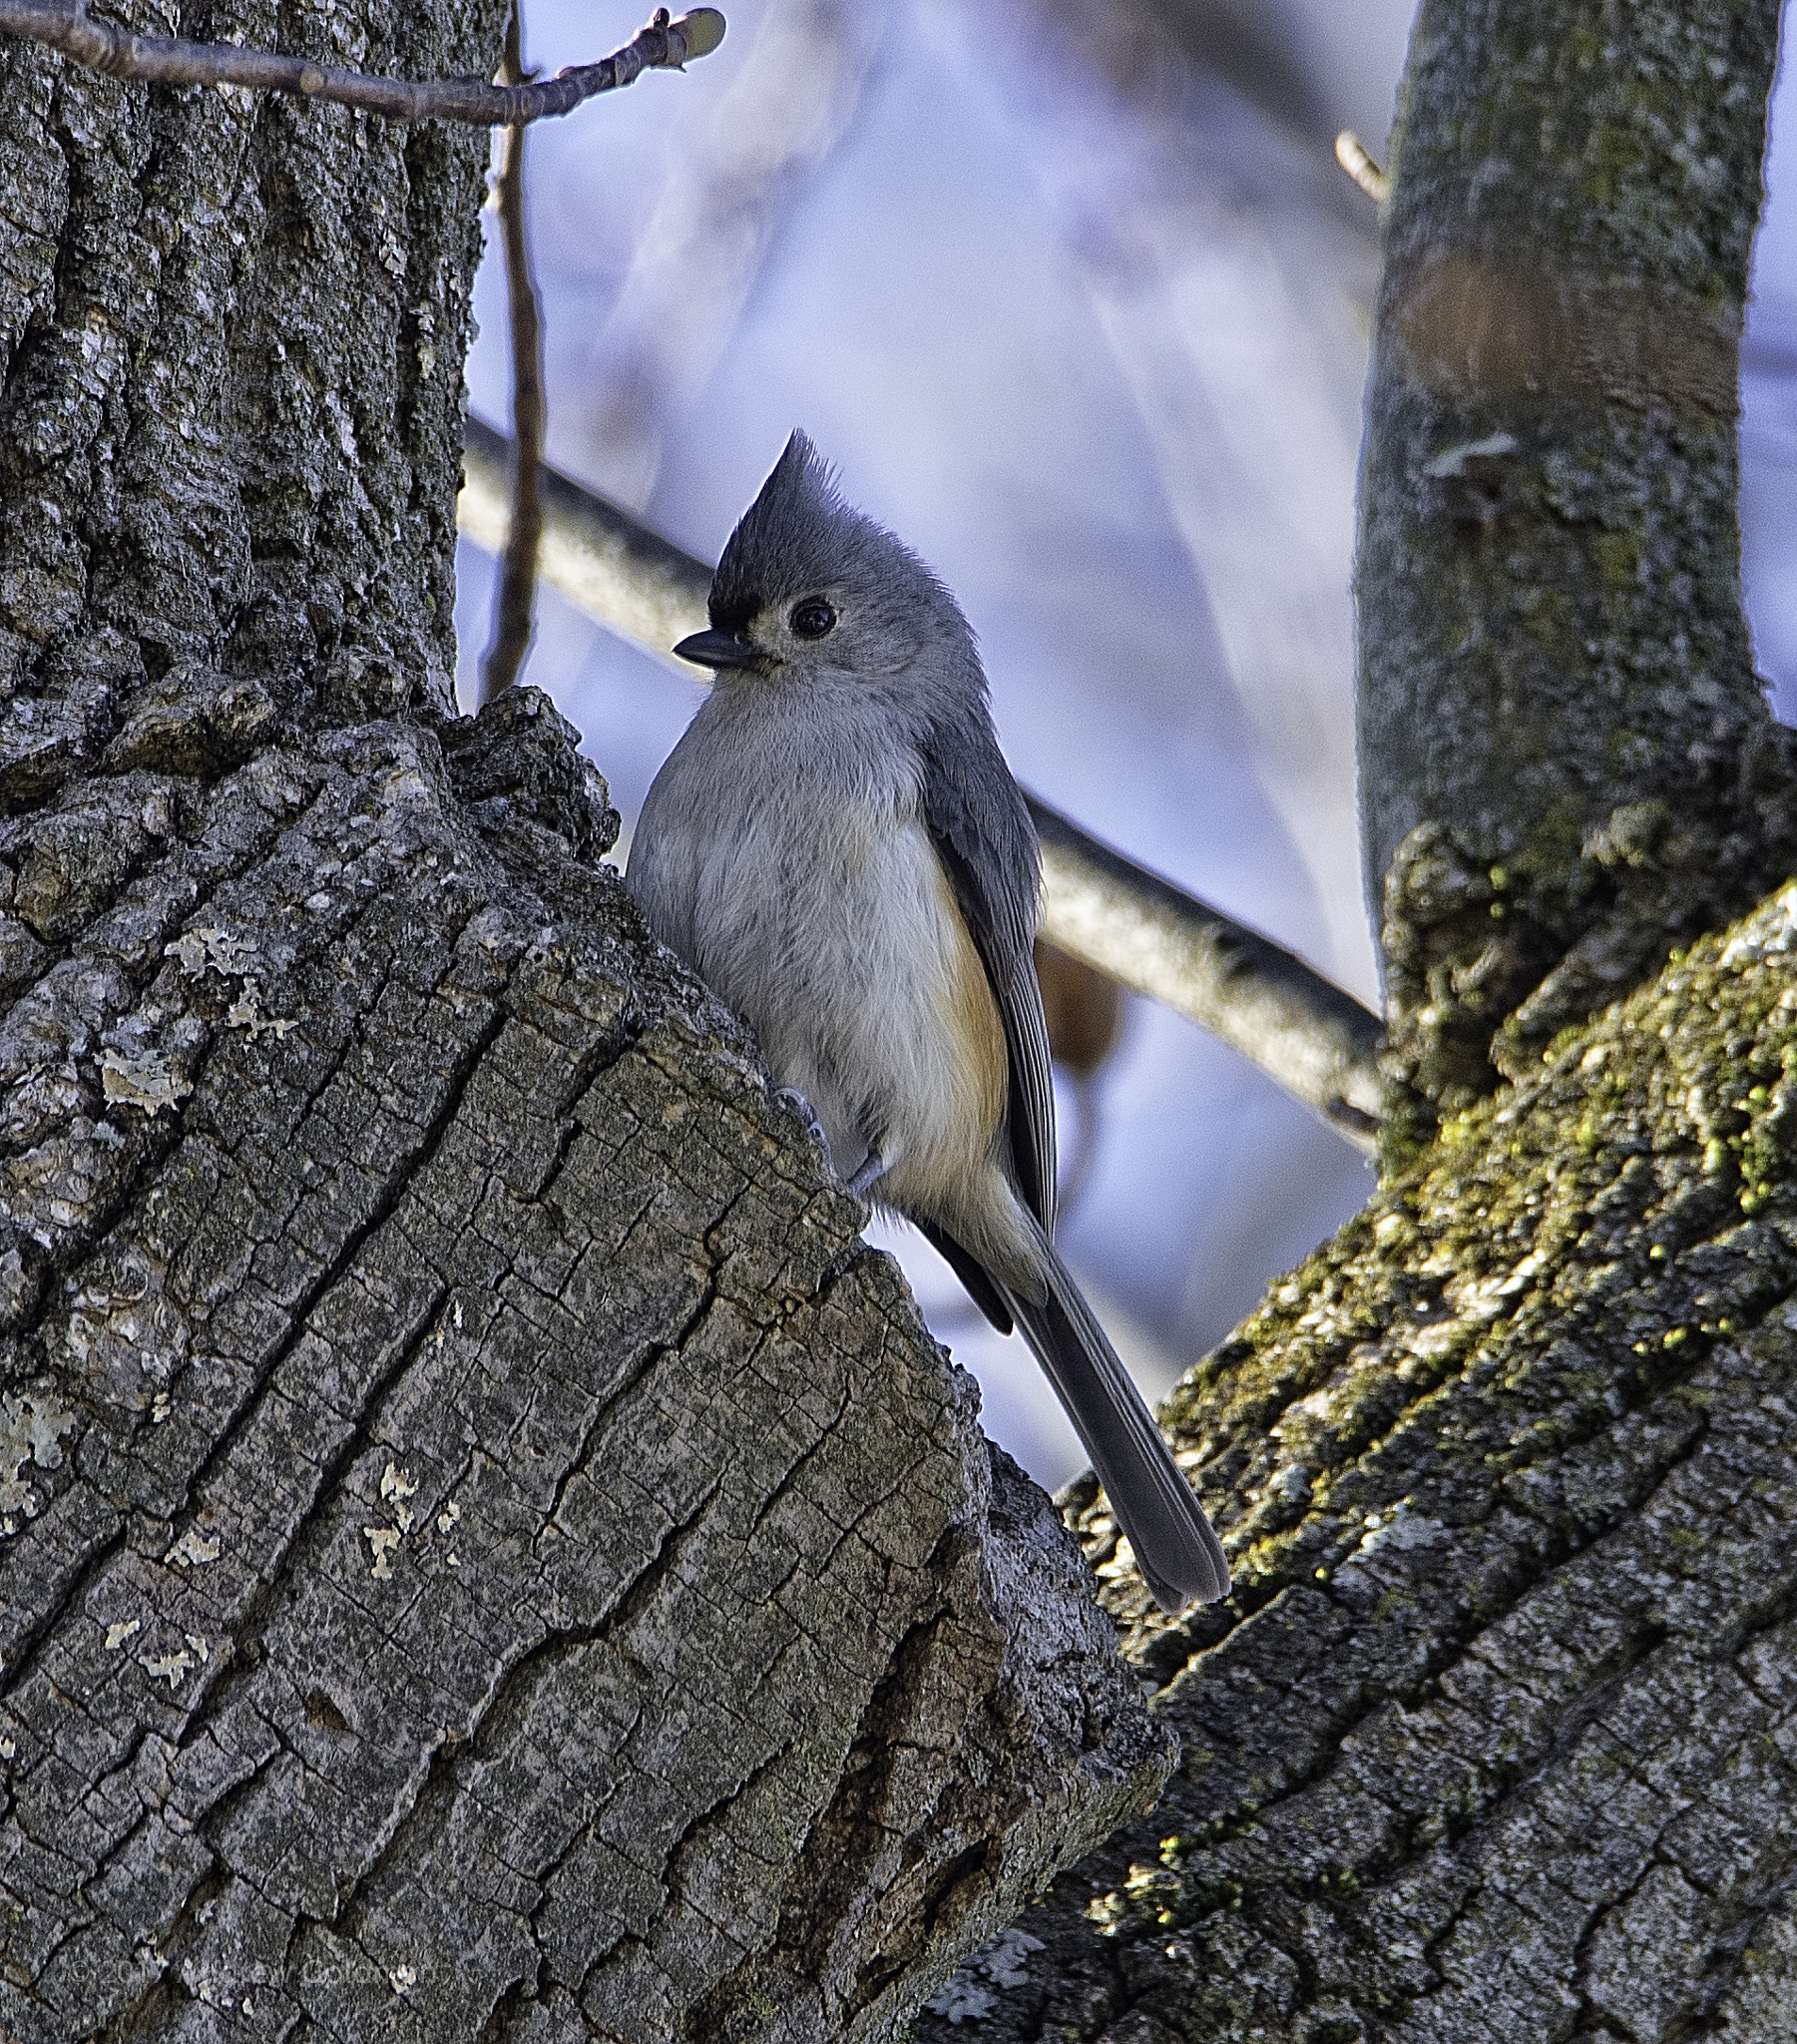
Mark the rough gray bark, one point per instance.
(1567, 762)
(1498, 1738)
(485, 1551)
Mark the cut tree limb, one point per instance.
(479, 1526)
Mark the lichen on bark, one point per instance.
(1499, 1735)
(1566, 762)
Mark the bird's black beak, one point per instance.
(720, 650)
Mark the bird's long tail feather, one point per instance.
(1179, 1555)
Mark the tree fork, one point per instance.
(1566, 762)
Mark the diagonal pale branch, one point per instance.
(1304, 1032)
(1300, 1028)
(600, 558)
(1361, 164)
(664, 45)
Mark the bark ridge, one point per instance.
(487, 1550)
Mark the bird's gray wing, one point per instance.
(976, 820)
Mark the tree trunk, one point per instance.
(1566, 762)
(486, 1550)
(1498, 1740)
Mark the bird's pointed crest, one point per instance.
(788, 539)
(801, 539)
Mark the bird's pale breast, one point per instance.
(802, 886)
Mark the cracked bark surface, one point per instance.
(485, 1549)
(1498, 1738)
(486, 1546)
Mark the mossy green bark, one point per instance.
(1498, 1736)
(1566, 762)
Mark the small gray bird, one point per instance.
(837, 847)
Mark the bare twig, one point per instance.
(518, 570)
(662, 44)
(1305, 1033)
(1355, 158)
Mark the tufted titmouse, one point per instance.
(837, 847)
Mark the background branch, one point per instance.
(1360, 163)
(1300, 1029)
(662, 46)
(1305, 1033)
(518, 572)
(709, 232)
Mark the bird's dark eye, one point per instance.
(812, 619)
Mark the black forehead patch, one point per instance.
(730, 611)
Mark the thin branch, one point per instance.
(518, 571)
(600, 558)
(1301, 1029)
(1357, 160)
(662, 46)
(1304, 1032)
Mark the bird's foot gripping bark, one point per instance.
(790, 1096)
